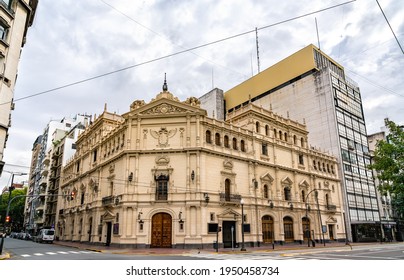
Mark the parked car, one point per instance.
(13, 235)
(28, 236)
(45, 235)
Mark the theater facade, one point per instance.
(165, 174)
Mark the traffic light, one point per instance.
(7, 219)
(72, 195)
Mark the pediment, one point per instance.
(165, 106)
(108, 215)
(267, 178)
(287, 181)
(228, 213)
(304, 184)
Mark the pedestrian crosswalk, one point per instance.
(51, 253)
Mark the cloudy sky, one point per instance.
(73, 42)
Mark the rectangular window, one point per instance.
(264, 149)
(162, 187)
(212, 227)
(3, 32)
(95, 156)
(301, 159)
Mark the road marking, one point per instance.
(25, 256)
(50, 253)
(62, 252)
(38, 254)
(74, 252)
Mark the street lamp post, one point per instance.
(307, 217)
(242, 225)
(319, 217)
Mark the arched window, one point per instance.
(266, 192)
(287, 192)
(234, 143)
(294, 140)
(208, 137)
(217, 139)
(286, 136)
(257, 127)
(280, 134)
(288, 229)
(327, 200)
(303, 196)
(302, 142)
(314, 165)
(275, 133)
(242, 145)
(226, 141)
(227, 192)
(267, 130)
(328, 168)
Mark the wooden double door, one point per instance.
(161, 231)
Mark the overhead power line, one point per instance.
(398, 42)
(176, 53)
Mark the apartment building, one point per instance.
(15, 19)
(56, 140)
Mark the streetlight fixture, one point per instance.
(242, 225)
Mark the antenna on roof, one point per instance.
(258, 53)
(318, 37)
(213, 84)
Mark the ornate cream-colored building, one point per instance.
(166, 175)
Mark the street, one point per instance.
(28, 250)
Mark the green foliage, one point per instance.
(16, 211)
(388, 161)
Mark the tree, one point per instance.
(388, 161)
(16, 211)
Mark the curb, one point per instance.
(5, 256)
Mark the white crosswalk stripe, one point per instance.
(57, 253)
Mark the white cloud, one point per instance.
(74, 40)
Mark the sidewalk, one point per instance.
(181, 251)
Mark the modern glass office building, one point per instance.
(311, 87)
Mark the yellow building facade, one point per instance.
(164, 174)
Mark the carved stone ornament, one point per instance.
(164, 109)
(193, 101)
(163, 135)
(228, 165)
(137, 104)
(162, 160)
(111, 168)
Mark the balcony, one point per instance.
(43, 181)
(230, 198)
(108, 200)
(331, 208)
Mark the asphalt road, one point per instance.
(28, 250)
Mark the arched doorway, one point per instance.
(267, 229)
(288, 229)
(161, 231)
(306, 229)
